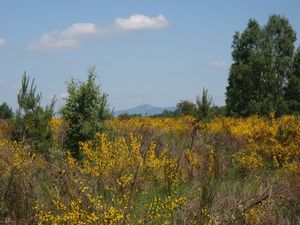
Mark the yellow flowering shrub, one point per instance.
(15, 156)
(269, 141)
(160, 210)
(120, 158)
(56, 124)
(193, 162)
(18, 171)
(180, 125)
(249, 160)
(80, 209)
(254, 214)
(123, 170)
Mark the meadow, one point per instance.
(144, 170)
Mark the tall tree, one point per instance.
(293, 87)
(262, 64)
(85, 109)
(241, 87)
(278, 45)
(32, 121)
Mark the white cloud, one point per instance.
(218, 64)
(2, 41)
(68, 38)
(72, 36)
(141, 22)
(80, 30)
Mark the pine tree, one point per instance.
(32, 121)
(204, 106)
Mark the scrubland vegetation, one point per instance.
(158, 171)
(191, 166)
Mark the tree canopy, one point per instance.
(262, 65)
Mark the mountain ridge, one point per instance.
(144, 109)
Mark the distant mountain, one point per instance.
(145, 109)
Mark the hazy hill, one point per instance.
(145, 109)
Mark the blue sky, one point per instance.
(154, 52)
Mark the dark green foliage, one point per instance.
(219, 111)
(202, 110)
(31, 123)
(262, 64)
(293, 87)
(85, 109)
(5, 111)
(239, 81)
(167, 114)
(204, 105)
(186, 107)
(126, 116)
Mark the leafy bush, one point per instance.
(85, 109)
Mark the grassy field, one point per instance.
(158, 171)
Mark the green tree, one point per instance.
(32, 121)
(218, 111)
(85, 109)
(204, 106)
(185, 107)
(279, 38)
(241, 87)
(5, 111)
(293, 87)
(262, 64)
